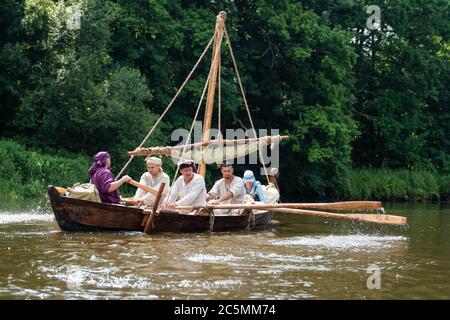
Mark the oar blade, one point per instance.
(375, 218)
(379, 218)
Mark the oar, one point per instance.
(132, 182)
(143, 187)
(62, 190)
(348, 205)
(374, 217)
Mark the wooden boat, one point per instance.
(74, 214)
(81, 215)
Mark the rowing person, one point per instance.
(152, 178)
(101, 176)
(253, 189)
(189, 189)
(228, 190)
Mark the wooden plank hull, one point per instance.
(81, 215)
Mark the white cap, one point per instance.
(153, 160)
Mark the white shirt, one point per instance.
(192, 193)
(236, 187)
(155, 183)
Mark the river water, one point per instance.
(296, 258)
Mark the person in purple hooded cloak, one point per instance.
(101, 176)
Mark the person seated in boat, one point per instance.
(152, 178)
(253, 189)
(101, 176)
(228, 190)
(189, 189)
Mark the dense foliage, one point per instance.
(349, 97)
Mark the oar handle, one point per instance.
(143, 187)
(127, 200)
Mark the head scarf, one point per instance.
(99, 162)
(154, 160)
(249, 177)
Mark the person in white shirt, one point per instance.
(152, 178)
(188, 189)
(228, 190)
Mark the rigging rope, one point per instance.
(192, 126)
(245, 101)
(169, 106)
(219, 125)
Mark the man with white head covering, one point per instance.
(188, 189)
(152, 178)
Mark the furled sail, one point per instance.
(213, 151)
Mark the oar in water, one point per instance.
(374, 217)
(348, 205)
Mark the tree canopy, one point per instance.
(347, 95)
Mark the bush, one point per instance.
(389, 184)
(26, 173)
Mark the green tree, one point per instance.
(83, 101)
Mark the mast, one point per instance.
(220, 23)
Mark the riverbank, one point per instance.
(27, 173)
(397, 185)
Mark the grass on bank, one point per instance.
(389, 184)
(25, 173)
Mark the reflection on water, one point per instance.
(297, 258)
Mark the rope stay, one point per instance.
(215, 58)
(169, 105)
(192, 126)
(245, 100)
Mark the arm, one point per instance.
(236, 190)
(139, 192)
(214, 192)
(172, 196)
(116, 184)
(166, 180)
(260, 193)
(228, 195)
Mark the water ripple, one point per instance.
(6, 218)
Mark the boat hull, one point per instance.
(80, 215)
